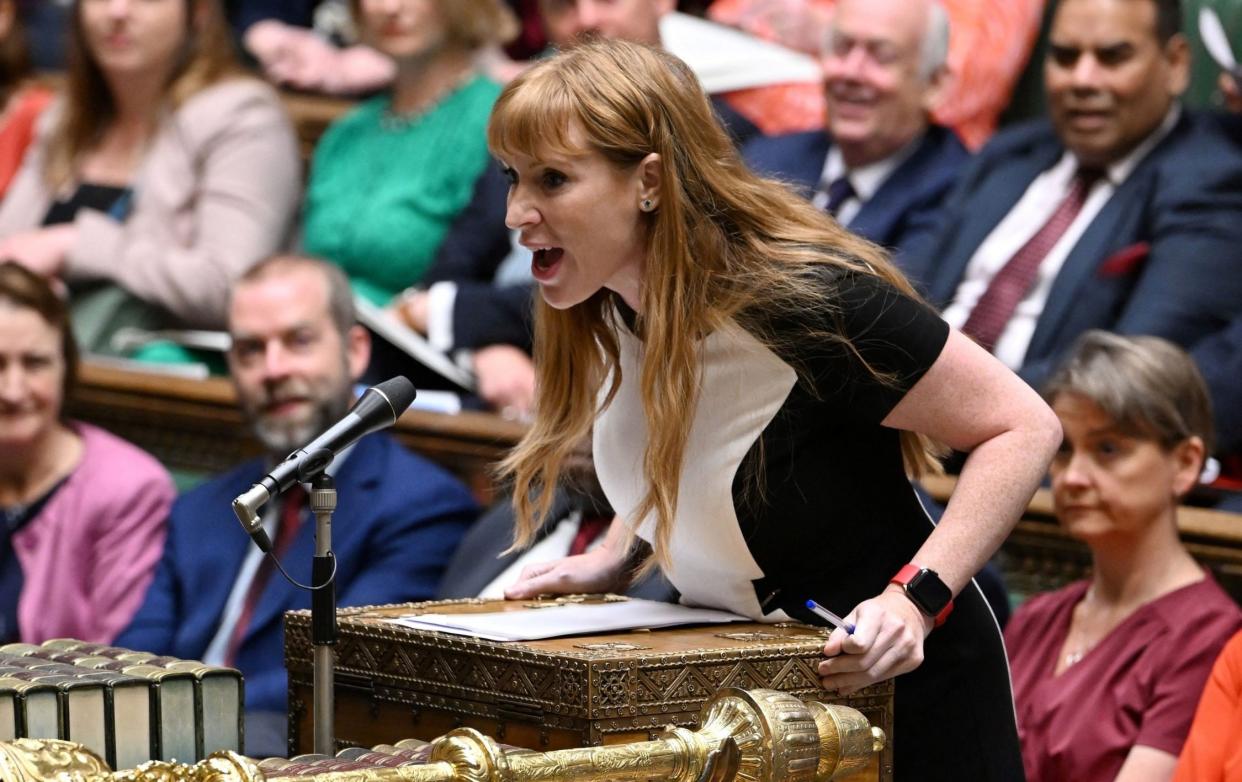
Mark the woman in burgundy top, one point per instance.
(1107, 671)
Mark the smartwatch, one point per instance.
(925, 589)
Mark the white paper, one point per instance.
(411, 342)
(566, 619)
(725, 59)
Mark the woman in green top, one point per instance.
(388, 178)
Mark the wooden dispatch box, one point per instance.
(394, 682)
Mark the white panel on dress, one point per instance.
(744, 386)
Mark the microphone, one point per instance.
(379, 406)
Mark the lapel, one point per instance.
(905, 185)
(1115, 226)
(1107, 230)
(796, 159)
(357, 482)
(1000, 190)
(811, 162)
(222, 541)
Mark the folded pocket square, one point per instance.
(1125, 260)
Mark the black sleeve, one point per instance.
(478, 240)
(243, 13)
(892, 341)
(486, 314)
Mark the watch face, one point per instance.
(931, 594)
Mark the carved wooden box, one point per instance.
(394, 682)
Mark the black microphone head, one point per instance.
(399, 392)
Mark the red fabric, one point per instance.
(995, 307)
(17, 130)
(1213, 751)
(590, 528)
(1139, 685)
(293, 503)
(1124, 261)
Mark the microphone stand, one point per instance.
(379, 406)
(323, 612)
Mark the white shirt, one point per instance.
(1032, 211)
(866, 180)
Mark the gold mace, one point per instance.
(757, 735)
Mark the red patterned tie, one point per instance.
(293, 502)
(590, 528)
(996, 306)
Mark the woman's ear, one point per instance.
(650, 179)
(1188, 457)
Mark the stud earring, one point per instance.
(647, 205)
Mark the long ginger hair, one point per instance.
(724, 245)
(207, 57)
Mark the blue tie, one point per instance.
(839, 191)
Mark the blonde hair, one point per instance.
(1147, 385)
(207, 57)
(471, 23)
(724, 245)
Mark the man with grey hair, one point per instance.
(881, 168)
(295, 357)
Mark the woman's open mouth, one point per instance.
(545, 262)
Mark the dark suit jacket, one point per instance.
(243, 13)
(1220, 360)
(1163, 257)
(478, 561)
(483, 313)
(398, 520)
(903, 213)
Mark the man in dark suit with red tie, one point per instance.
(882, 168)
(1120, 213)
(295, 356)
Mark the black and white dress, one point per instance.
(791, 489)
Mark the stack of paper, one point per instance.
(559, 620)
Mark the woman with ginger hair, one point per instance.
(160, 175)
(755, 375)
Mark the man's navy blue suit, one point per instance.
(398, 520)
(481, 558)
(484, 313)
(1163, 257)
(903, 213)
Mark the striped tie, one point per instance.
(996, 306)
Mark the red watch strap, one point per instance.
(906, 575)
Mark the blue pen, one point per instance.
(835, 620)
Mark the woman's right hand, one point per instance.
(598, 570)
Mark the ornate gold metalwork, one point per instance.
(31, 760)
(755, 736)
(612, 646)
(752, 637)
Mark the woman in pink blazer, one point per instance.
(83, 512)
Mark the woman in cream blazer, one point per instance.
(162, 169)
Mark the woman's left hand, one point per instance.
(887, 641)
(43, 250)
